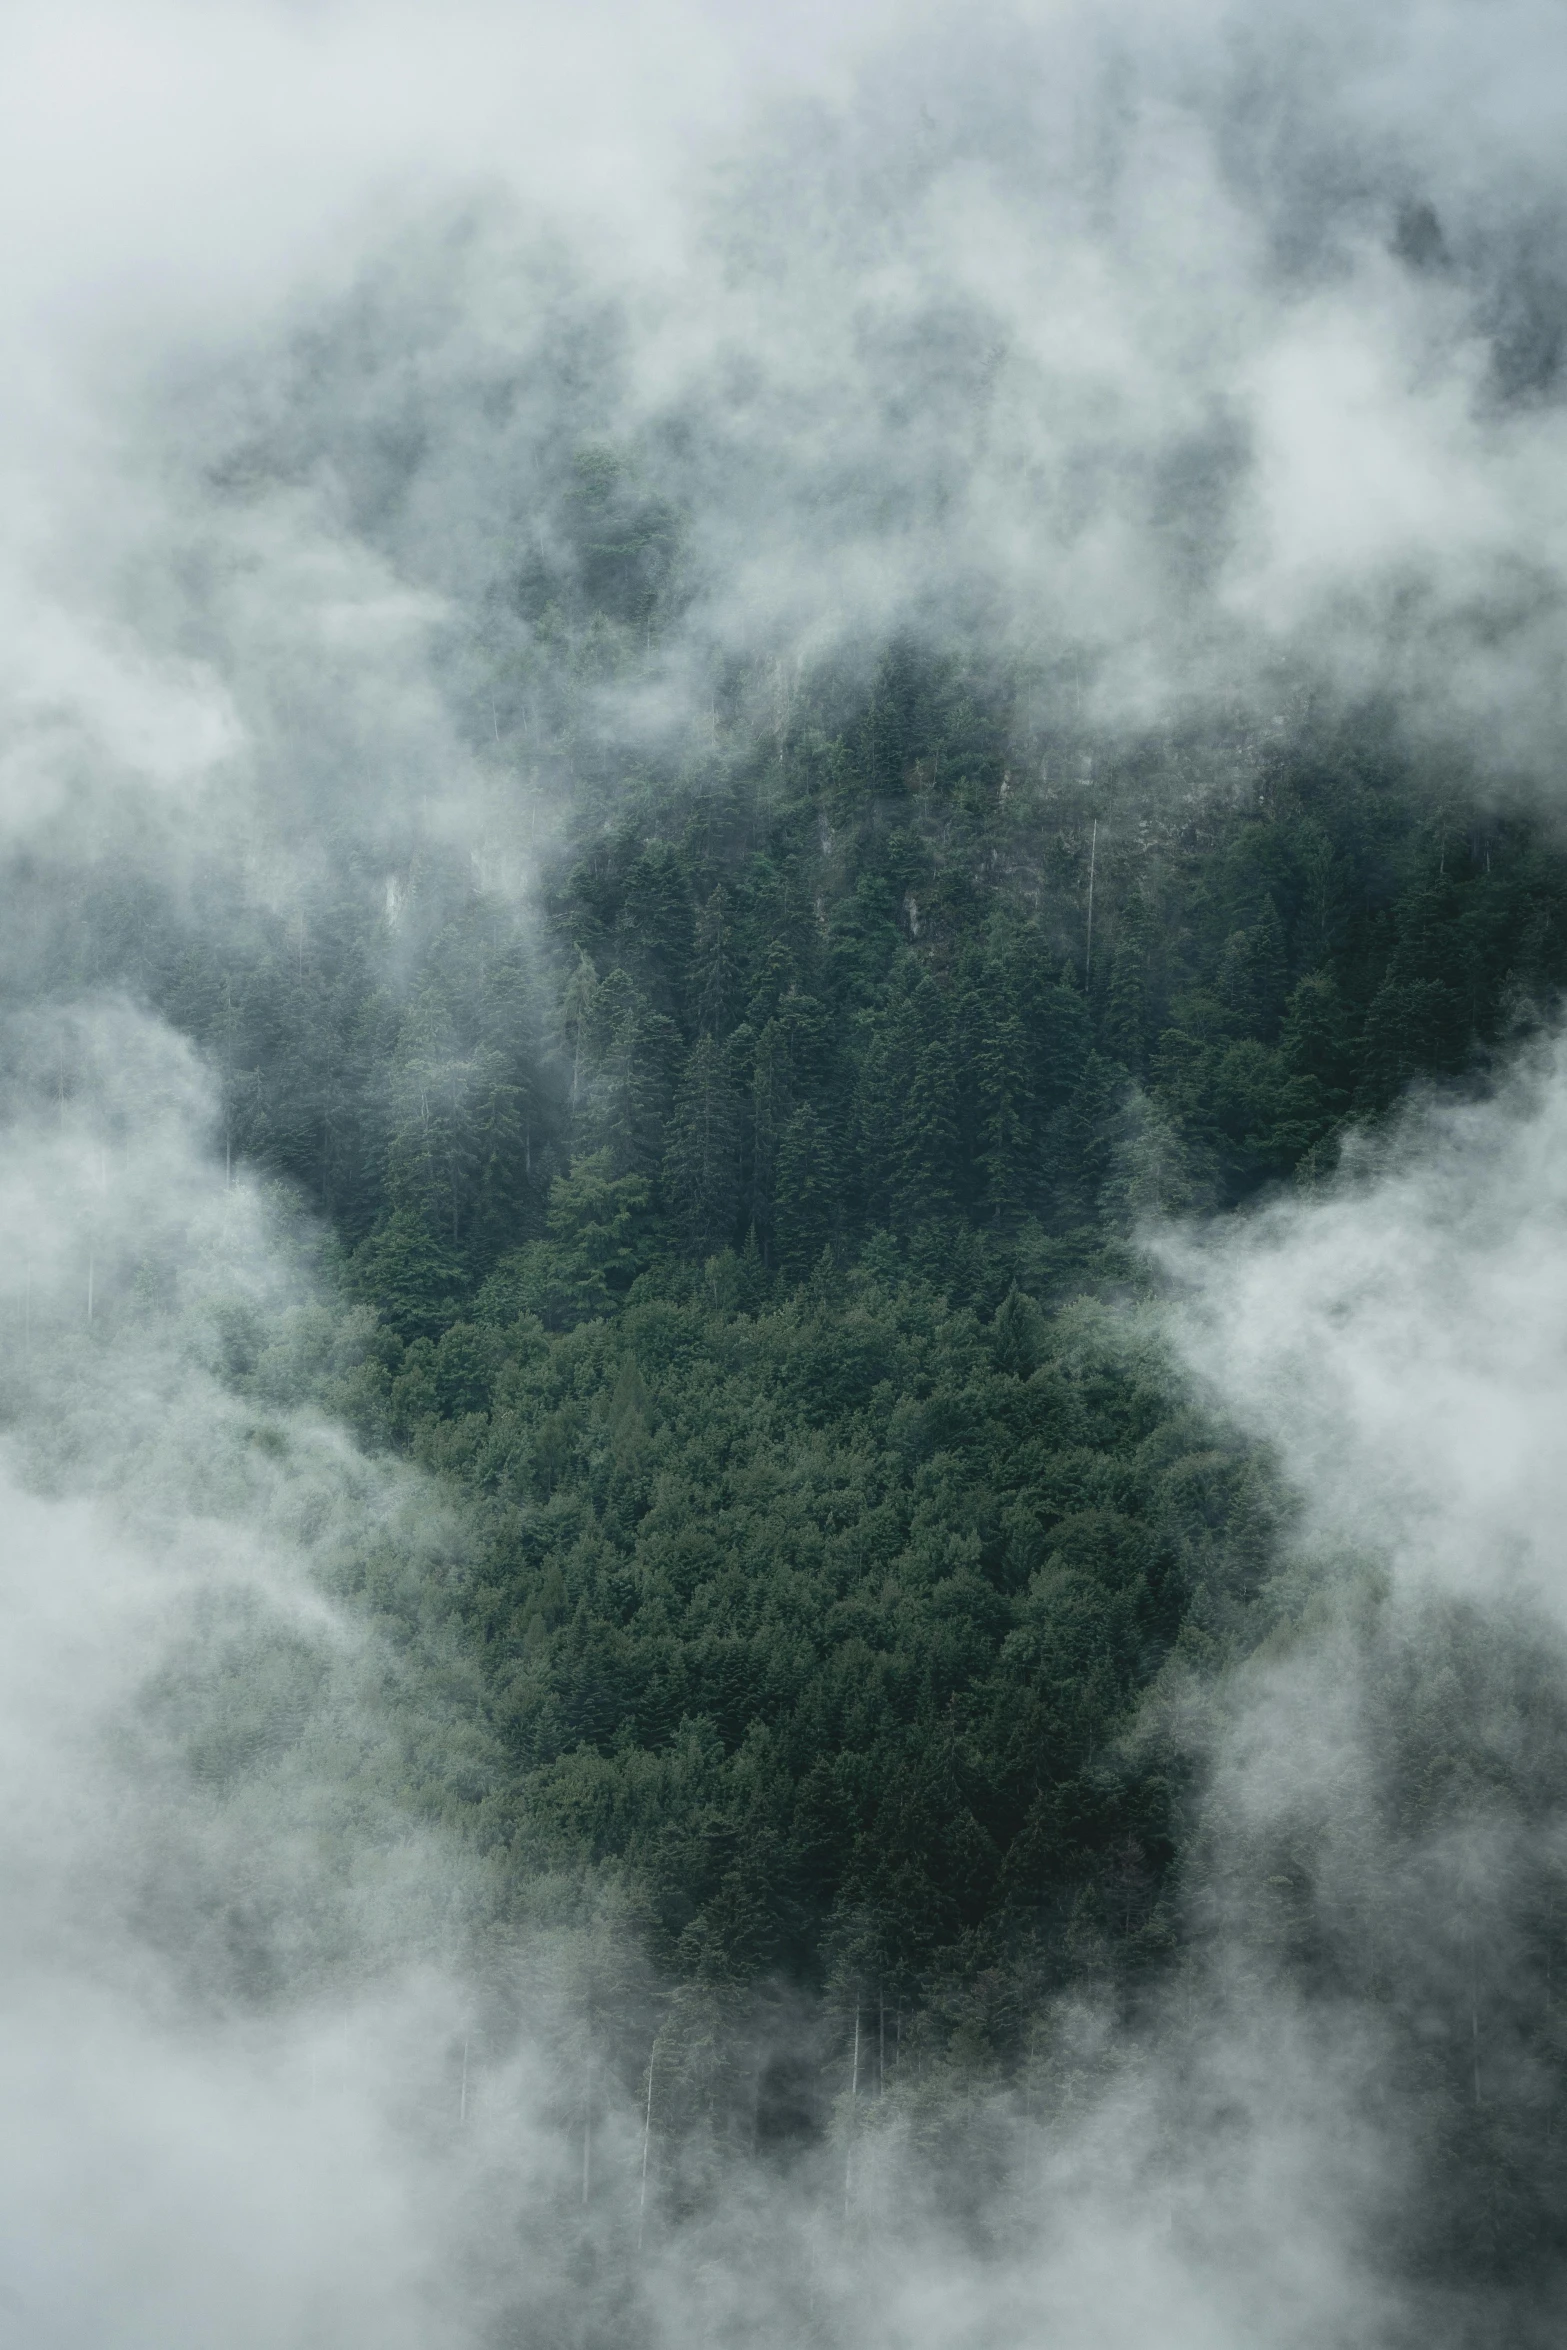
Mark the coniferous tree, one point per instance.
(1005, 1112)
(1125, 1026)
(715, 965)
(1269, 970)
(771, 1103)
(925, 1147)
(628, 1098)
(807, 1191)
(1234, 982)
(702, 1157)
(411, 1271)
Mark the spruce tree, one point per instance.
(1269, 962)
(807, 1199)
(702, 1159)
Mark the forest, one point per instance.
(747, 1230)
(783, 1177)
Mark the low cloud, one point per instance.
(1401, 1341)
(1184, 361)
(285, 2077)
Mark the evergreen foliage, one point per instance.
(746, 1238)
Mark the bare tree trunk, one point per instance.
(587, 2128)
(1088, 950)
(1550, 1930)
(647, 2140)
(854, 2099)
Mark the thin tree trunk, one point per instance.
(1088, 950)
(854, 2098)
(587, 2128)
(647, 2140)
(1550, 2104)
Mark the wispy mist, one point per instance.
(272, 2075)
(1194, 359)
(415, 436)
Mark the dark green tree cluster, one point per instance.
(823, 1610)
(873, 969)
(722, 1230)
(915, 988)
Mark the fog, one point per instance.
(1193, 357)
(273, 2076)
(1201, 361)
(1403, 1341)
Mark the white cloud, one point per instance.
(1403, 1341)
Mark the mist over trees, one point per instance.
(748, 1243)
(759, 1006)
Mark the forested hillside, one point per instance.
(783, 1177)
(746, 1229)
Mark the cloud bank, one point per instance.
(1200, 361)
(1197, 361)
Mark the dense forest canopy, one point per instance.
(747, 1233)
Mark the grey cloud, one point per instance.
(1402, 1340)
(1091, 338)
(282, 2080)
(1102, 337)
